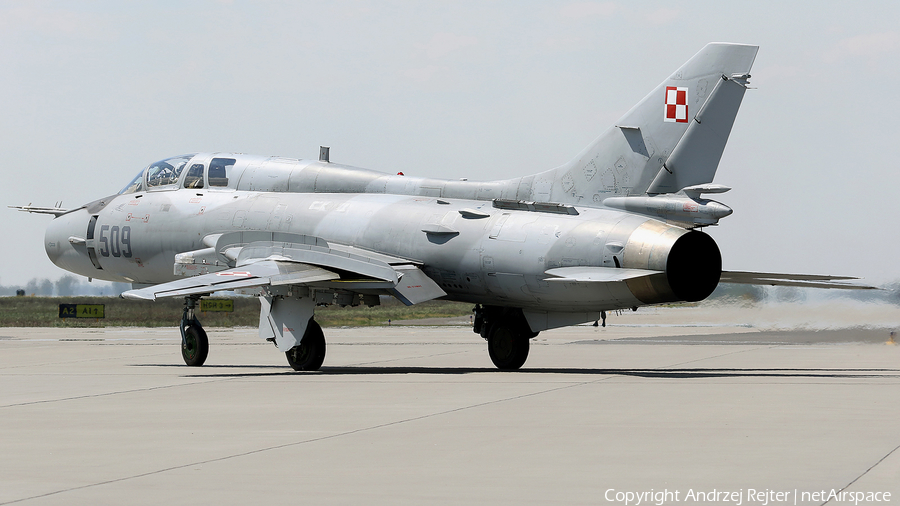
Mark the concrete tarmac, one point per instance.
(691, 413)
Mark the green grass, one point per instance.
(336, 316)
(44, 312)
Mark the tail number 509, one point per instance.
(115, 241)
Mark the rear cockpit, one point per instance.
(185, 171)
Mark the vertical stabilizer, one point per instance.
(671, 139)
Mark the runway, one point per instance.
(678, 402)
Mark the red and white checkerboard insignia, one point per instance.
(236, 274)
(676, 104)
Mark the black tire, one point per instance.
(507, 347)
(195, 347)
(310, 353)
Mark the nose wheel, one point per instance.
(194, 346)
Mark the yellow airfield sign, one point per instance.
(82, 311)
(217, 305)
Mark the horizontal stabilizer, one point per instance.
(799, 280)
(595, 274)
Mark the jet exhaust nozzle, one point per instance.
(689, 261)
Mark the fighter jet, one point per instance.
(617, 227)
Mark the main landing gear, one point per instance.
(306, 356)
(507, 333)
(310, 353)
(194, 343)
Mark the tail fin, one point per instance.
(671, 139)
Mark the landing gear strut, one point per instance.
(194, 343)
(507, 333)
(310, 353)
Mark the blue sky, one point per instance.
(90, 92)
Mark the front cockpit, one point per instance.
(107, 239)
(193, 171)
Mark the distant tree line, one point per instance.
(69, 285)
(66, 286)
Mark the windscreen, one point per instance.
(135, 185)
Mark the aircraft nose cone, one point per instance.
(53, 238)
(64, 242)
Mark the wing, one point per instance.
(595, 274)
(800, 280)
(272, 259)
(261, 273)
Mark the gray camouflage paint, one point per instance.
(560, 269)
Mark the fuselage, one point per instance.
(472, 249)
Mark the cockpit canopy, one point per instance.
(202, 171)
